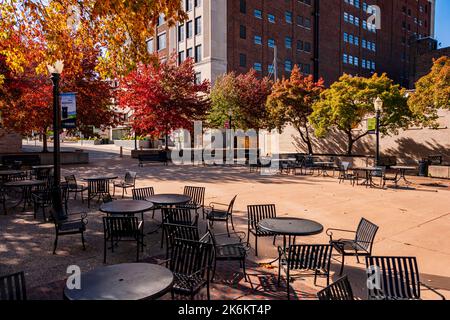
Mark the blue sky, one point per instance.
(443, 22)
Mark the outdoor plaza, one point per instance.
(193, 232)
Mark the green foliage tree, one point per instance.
(350, 100)
(432, 93)
(291, 102)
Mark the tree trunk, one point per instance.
(306, 139)
(350, 143)
(44, 142)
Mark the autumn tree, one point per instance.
(432, 93)
(164, 97)
(291, 102)
(350, 100)
(245, 95)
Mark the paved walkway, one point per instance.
(412, 222)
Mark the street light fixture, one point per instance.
(55, 70)
(378, 103)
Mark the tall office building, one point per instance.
(325, 38)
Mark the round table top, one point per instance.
(128, 281)
(10, 172)
(291, 226)
(126, 206)
(169, 199)
(43, 166)
(25, 183)
(367, 168)
(101, 178)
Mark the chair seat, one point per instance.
(217, 215)
(187, 283)
(72, 226)
(236, 251)
(348, 246)
(123, 184)
(261, 233)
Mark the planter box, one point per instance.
(90, 142)
(439, 172)
(129, 144)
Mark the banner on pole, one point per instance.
(68, 110)
(372, 125)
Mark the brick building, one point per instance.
(324, 37)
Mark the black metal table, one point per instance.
(402, 170)
(128, 281)
(290, 228)
(26, 186)
(368, 182)
(127, 207)
(169, 199)
(6, 174)
(98, 186)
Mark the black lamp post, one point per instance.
(230, 125)
(56, 71)
(378, 103)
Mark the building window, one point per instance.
(198, 53)
(307, 46)
(271, 43)
(288, 17)
(242, 60)
(161, 41)
(243, 6)
(243, 32)
(198, 78)
(288, 65)
(197, 3)
(258, 40)
(181, 57)
(288, 42)
(150, 47)
(181, 33)
(258, 14)
(198, 26)
(271, 18)
(189, 29)
(299, 45)
(257, 66)
(188, 5)
(189, 53)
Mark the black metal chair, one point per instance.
(228, 251)
(65, 226)
(213, 213)
(198, 198)
(129, 181)
(341, 290)
(117, 229)
(97, 188)
(144, 193)
(389, 175)
(361, 245)
(74, 187)
(394, 278)
(179, 215)
(12, 287)
(190, 262)
(313, 257)
(345, 174)
(257, 213)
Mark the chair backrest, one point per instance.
(196, 193)
(260, 212)
(231, 205)
(188, 257)
(107, 198)
(71, 181)
(309, 257)
(98, 186)
(121, 227)
(345, 165)
(339, 290)
(143, 193)
(43, 174)
(365, 234)
(180, 215)
(180, 231)
(130, 177)
(393, 278)
(12, 287)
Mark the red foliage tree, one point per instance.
(164, 97)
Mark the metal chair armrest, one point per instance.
(329, 232)
(433, 290)
(241, 235)
(211, 204)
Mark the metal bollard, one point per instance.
(121, 152)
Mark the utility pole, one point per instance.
(275, 63)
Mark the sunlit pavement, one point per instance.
(412, 223)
